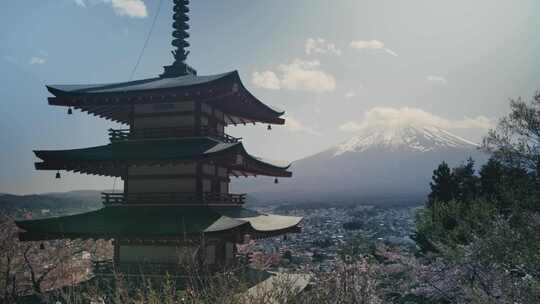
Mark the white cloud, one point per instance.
(80, 3)
(129, 8)
(436, 79)
(351, 126)
(350, 94)
(299, 75)
(306, 76)
(389, 51)
(396, 117)
(367, 44)
(321, 46)
(294, 125)
(371, 45)
(37, 60)
(267, 80)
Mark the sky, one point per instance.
(334, 66)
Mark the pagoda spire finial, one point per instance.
(181, 27)
(180, 35)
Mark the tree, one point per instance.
(465, 182)
(491, 178)
(516, 140)
(516, 144)
(10, 263)
(443, 185)
(36, 268)
(491, 249)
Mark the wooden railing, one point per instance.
(125, 134)
(173, 198)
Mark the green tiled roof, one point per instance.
(90, 160)
(138, 85)
(166, 149)
(114, 100)
(155, 223)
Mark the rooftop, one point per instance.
(114, 100)
(112, 159)
(157, 223)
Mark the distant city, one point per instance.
(329, 233)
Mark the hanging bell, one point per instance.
(58, 176)
(269, 127)
(70, 111)
(42, 246)
(276, 181)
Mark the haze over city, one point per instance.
(335, 67)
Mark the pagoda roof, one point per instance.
(155, 223)
(137, 85)
(112, 159)
(112, 101)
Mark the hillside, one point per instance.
(50, 203)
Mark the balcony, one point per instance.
(174, 198)
(126, 134)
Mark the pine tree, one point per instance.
(491, 178)
(466, 182)
(442, 186)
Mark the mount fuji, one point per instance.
(391, 164)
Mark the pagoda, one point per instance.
(176, 162)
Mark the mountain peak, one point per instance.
(403, 137)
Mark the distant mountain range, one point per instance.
(51, 203)
(390, 165)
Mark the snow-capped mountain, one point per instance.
(409, 137)
(391, 164)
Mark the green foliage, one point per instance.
(460, 183)
(516, 140)
(491, 179)
(452, 223)
(486, 226)
(443, 187)
(465, 181)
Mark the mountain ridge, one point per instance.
(420, 138)
(394, 163)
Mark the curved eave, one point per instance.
(158, 223)
(110, 161)
(263, 168)
(151, 223)
(270, 110)
(112, 101)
